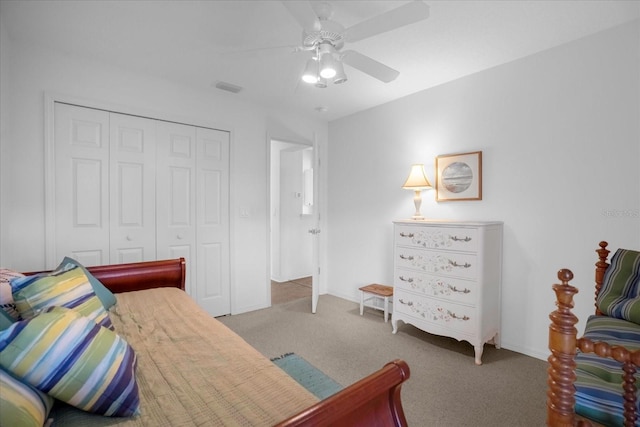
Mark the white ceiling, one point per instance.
(197, 42)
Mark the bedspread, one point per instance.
(193, 370)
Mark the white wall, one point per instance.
(28, 72)
(560, 137)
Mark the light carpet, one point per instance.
(446, 388)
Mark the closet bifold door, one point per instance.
(212, 219)
(81, 191)
(104, 186)
(176, 190)
(133, 188)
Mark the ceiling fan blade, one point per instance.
(404, 15)
(369, 66)
(261, 51)
(304, 14)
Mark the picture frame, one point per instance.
(459, 177)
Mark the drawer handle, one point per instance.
(462, 291)
(410, 279)
(409, 235)
(405, 303)
(460, 239)
(410, 257)
(455, 316)
(455, 264)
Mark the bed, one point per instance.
(193, 370)
(592, 379)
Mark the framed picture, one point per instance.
(459, 177)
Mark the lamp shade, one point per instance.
(417, 179)
(328, 66)
(322, 83)
(310, 74)
(340, 77)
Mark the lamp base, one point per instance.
(417, 201)
(418, 217)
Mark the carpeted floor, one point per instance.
(446, 388)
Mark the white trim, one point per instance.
(268, 143)
(269, 214)
(49, 182)
(135, 111)
(232, 227)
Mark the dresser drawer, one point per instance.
(449, 238)
(456, 317)
(449, 288)
(441, 263)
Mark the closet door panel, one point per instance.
(213, 220)
(176, 196)
(211, 287)
(81, 195)
(133, 201)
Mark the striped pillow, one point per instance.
(5, 320)
(620, 293)
(599, 380)
(6, 298)
(106, 296)
(66, 287)
(74, 360)
(22, 405)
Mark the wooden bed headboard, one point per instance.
(137, 276)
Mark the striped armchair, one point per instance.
(592, 379)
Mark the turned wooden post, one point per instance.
(562, 343)
(601, 267)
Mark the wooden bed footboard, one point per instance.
(372, 401)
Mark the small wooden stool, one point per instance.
(377, 292)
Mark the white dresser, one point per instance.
(447, 279)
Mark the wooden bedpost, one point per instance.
(601, 267)
(562, 343)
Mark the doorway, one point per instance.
(291, 219)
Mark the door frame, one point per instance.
(311, 143)
(50, 98)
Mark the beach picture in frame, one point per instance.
(459, 177)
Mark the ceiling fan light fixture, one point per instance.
(310, 74)
(340, 76)
(322, 83)
(328, 66)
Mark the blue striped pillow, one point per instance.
(74, 360)
(22, 405)
(599, 380)
(620, 293)
(106, 296)
(66, 287)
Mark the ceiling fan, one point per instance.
(325, 38)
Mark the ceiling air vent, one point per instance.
(228, 87)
